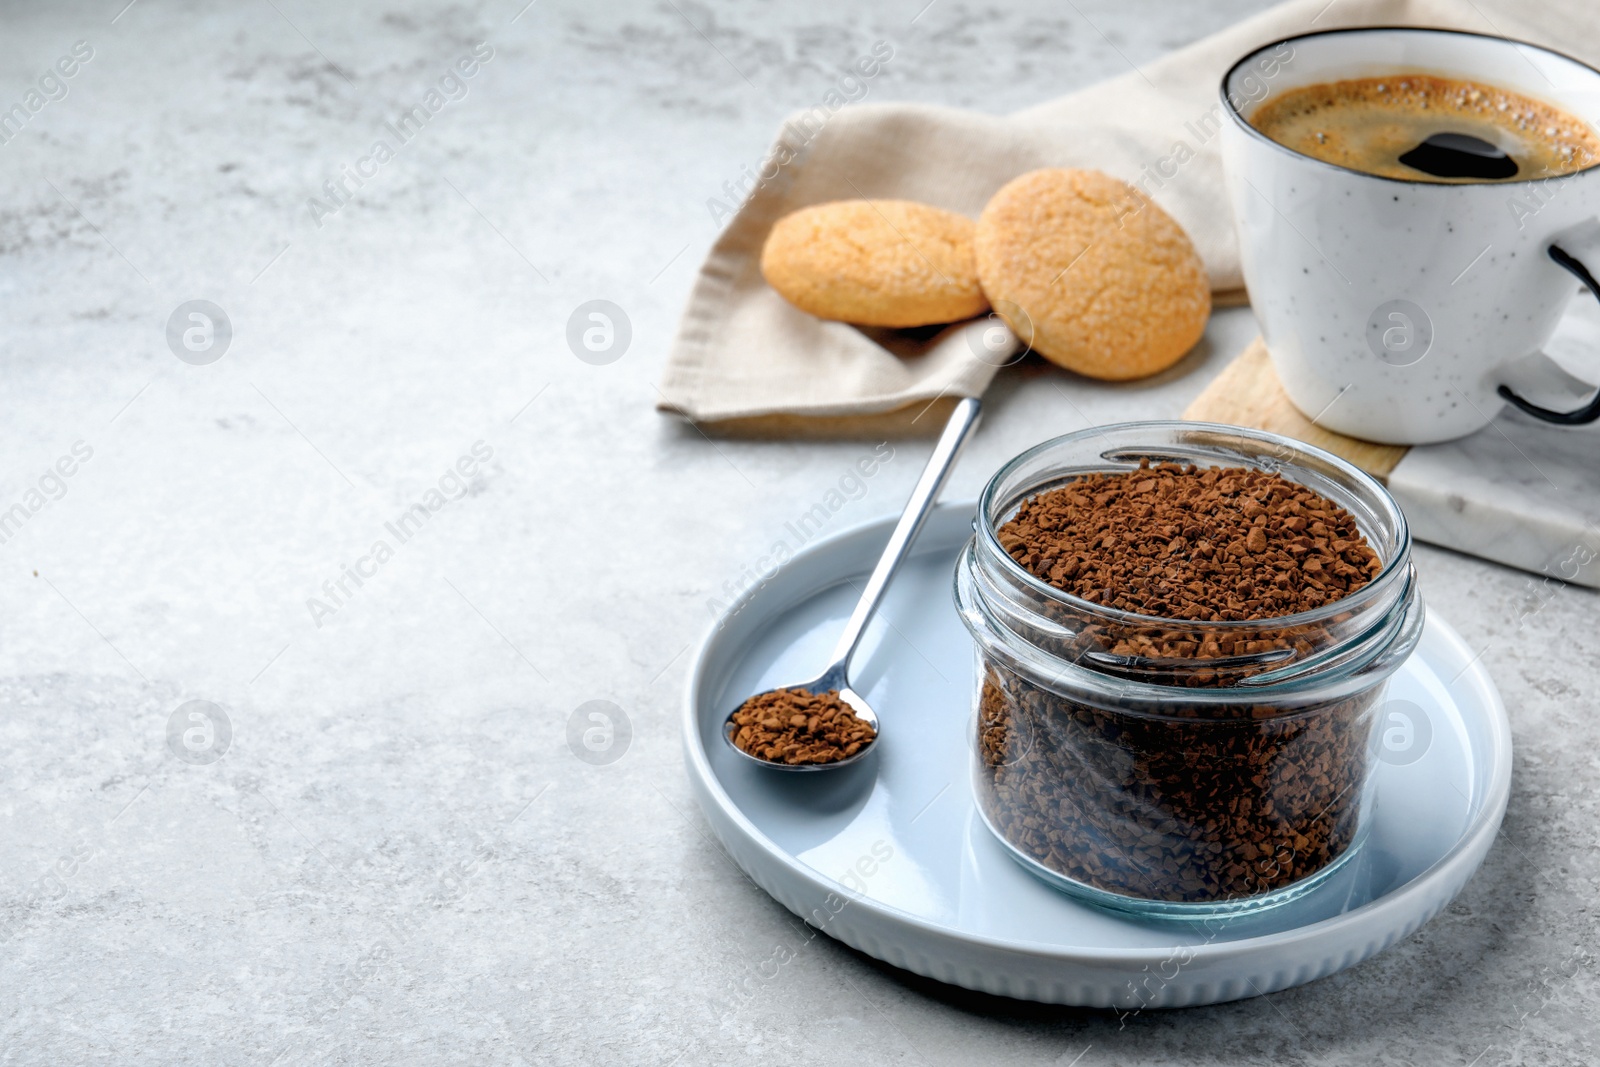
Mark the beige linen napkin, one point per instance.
(745, 361)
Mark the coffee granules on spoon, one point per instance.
(796, 726)
(1190, 803)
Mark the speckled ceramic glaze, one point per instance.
(1393, 308)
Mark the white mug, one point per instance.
(1406, 311)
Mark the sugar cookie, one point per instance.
(1092, 272)
(875, 263)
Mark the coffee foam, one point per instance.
(1366, 124)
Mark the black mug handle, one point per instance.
(1590, 411)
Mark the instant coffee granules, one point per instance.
(1188, 801)
(1182, 543)
(797, 726)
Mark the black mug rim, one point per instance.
(1240, 121)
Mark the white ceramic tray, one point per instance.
(890, 857)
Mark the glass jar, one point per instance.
(1175, 767)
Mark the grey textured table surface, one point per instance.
(399, 858)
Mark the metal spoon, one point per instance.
(837, 676)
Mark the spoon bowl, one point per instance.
(837, 676)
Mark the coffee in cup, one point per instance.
(1424, 127)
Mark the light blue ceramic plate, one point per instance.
(890, 857)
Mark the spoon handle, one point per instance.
(956, 431)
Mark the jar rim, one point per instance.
(1304, 691)
(1397, 563)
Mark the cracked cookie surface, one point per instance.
(1100, 279)
(875, 263)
